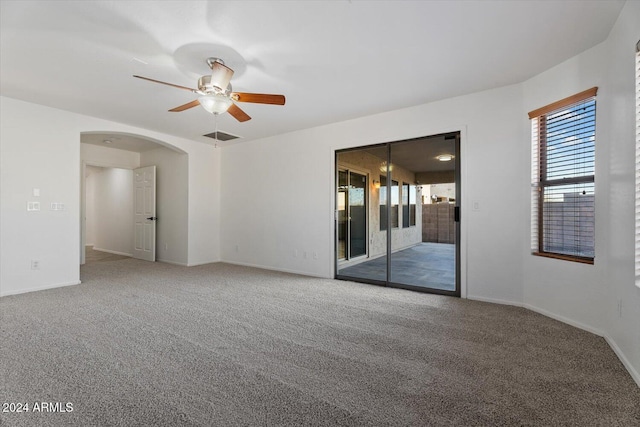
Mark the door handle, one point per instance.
(456, 214)
(152, 218)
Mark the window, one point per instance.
(383, 202)
(395, 199)
(412, 205)
(405, 205)
(563, 176)
(638, 164)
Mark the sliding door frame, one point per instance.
(457, 220)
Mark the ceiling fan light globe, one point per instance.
(215, 104)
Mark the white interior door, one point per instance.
(144, 213)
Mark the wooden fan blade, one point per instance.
(185, 106)
(258, 98)
(168, 84)
(238, 114)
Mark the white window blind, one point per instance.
(563, 175)
(637, 254)
(535, 183)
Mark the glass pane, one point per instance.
(570, 141)
(568, 219)
(423, 251)
(342, 214)
(362, 228)
(383, 202)
(394, 203)
(357, 214)
(405, 205)
(412, 205)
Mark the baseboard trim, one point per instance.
(566, 320)
(166, 261)
(625, 362)
(494, 300)
(39, 288)
(542, 311)
(195, 264)
(111, 252)
(283, 270)
(185, 264)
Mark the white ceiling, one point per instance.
(333, 60)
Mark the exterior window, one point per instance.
(563, 176)
(383, 202)
(412, 205)
(405, 205)
(395, 199)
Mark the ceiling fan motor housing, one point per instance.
(206, 85)
(220, 79)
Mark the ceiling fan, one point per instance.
(216, 95)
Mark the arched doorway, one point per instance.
(108, 161)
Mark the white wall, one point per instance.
(90, 191)
(294, 209)
(38, 149)
(204, 204)
(45, 154)
(622, 329)
(109, 157)
(172, 173)
(113, 210)
(588, 296)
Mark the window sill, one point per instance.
(564, 257)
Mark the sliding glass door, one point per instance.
(409, 205)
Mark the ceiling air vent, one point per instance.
(222, 136)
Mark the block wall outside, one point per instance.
(437, 223)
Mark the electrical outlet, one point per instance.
(315, 255)
(166, 246)
(35, 264)
(237, 248)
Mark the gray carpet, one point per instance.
(142, 344)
